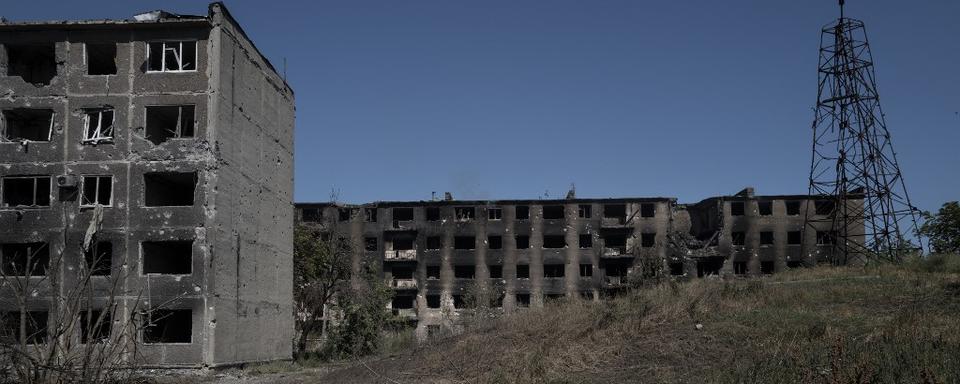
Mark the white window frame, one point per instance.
(99, 136)
(178, 53)
(96, 192)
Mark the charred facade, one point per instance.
(180, 132)
(440, 256)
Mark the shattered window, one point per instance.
(27, 124)
(25, 191)
(172, 56)
(169, 122)
(34, 63)
(97, 190)
(97, 126)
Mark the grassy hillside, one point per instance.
(822, 325)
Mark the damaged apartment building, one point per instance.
(175, 134)
(437, 255)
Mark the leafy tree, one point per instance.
(321, 269)
(943, 228)
(363, 315)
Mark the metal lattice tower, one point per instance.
(854, 165)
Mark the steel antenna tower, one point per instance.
(866, 209)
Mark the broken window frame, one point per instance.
(100, 133)
(584, 211)
(765, 208)
(84, 202)
(36, 178)
(465, 213)
(152, 317)
(178, 56)
(178, 132)
(738, 238)
(586, 270)
(495, 214)
(5, 126)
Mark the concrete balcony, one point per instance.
(403, 284)
(402, 255)
(407, 313)
(616, 252)
(615, 222)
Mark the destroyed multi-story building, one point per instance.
(439, 256)
(179, 132)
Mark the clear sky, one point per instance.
(519, 99)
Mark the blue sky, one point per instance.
(519, 99)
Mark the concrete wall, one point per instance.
(240, 288)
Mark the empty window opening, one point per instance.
(34, 63)
(826, 237)
(403, 214)
(171, 56)
(33, 331)
(585, 211)
(522, 212)
(617, 242)
(403, 243)
(168, 326)
(402, 272)
(523, 300)
(433, 272)
(586, 241)
(523, 271)
(170, 122)
(616, 268)
(24, 259)
(496, 271)
(464, 271)
(765, 208)
(97, 190)
(370, 215)
(30, 124)
(794, 238)
(459, 302)
(523, 241)
(402, 302)
(495, 242)
(101, 58)
(464, 242)
(736, 208)
(494, 213)
(740, 267)
(824, 207)
(794, 264)
(433, 301)
(709, 266)
(648, 210)
(554, 241)
(169, 189)
(346, 214)
(311, 215)
(766, 238)
(767, 267)
(433, 214)
(99, 258)
(793, 208)
(553, 270)
(676, 269)
(465, 213)
(173, 257)
(615, 211)
(738, 238)
(370, 244)
(553, 212)
(648, 240)
(94, 326)
(26, 191)
(586, 270)
(434, 242)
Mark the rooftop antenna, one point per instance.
(864, 213)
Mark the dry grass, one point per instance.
(823, 325)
